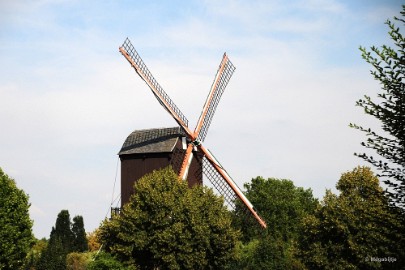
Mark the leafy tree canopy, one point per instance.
(349, 229)
(167, 225)
(15, 224)
(78, 260)
(280, 203)
(389, 69)
(93, 240)
(283, 206)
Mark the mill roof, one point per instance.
(156, 140)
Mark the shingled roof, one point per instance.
(157, 140)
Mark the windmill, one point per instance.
(211, 168)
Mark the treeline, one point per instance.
(167, 225)
(355, 229)
(68, 247)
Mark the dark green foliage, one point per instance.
(389, 69)
(54, 256)
(282, 205)
(246, 254)
(80, 243)
(273, 253)
(166, 225)
(34, 255)
(267, 253)
(348, 229)
(64, 239)
(62, 231)
(16, 235)
(104, 261)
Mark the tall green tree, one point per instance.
(65, 238)
(60, 243)
(283, 206)
(352, 229)
(15, 224)
(63, 231)
(80, 243)
(389, 69)
(167, 225)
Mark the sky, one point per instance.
(68, 98)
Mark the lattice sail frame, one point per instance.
(213, 170)
(147, 76)
(219, 84)
(219, 184)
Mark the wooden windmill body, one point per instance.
(187, 154)
(151, 149)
